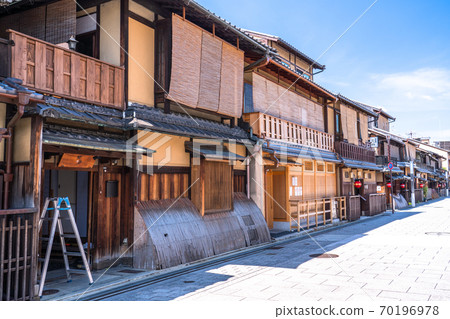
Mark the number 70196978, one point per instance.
(409, 310)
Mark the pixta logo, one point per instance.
(142, 147)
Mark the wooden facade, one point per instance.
(52, 69)
(307, 181)
(113, 123)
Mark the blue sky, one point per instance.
(397, 56)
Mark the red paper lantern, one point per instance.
(421, 185)
(402, 185)
(358, 184)
(388, 185)
(439, 185)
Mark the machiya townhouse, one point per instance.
(177, 136)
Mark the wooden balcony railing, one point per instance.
(355, 152)
(292, 66)
(51, 69)
(267, 126)
(315, 208)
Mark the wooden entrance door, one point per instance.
(276, 197)
(268, 199)
(112, 217)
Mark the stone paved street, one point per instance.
(383, 258)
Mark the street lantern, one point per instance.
(402, 185)
(72, 43)
(388, 185)
(357, 184)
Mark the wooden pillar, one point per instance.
(124, 15)
(36, 164)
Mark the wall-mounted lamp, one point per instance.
(72, 42)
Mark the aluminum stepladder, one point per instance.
(61, 205)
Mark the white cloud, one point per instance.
(425, 88)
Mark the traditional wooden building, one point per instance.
(359, 169)
(432, 166)
(136, 124)
(295, 179)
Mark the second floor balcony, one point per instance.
(383, 160)
(52, 69)
(355, 152)
(267, 126)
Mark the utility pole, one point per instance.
(390, 173)
(413, 182)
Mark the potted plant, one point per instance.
(425, 193)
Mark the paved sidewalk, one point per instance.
(385, 258)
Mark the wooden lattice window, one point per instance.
(320, 167)
(330, 168)
(309, 166)
(206, 195)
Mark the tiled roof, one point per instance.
(300, 151)
(317, 65)
(154, 119)
(360, 164)
(62, 136)
(358, 105)
(378, 110)
(12, 86)
(76, 111)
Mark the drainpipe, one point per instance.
(23, 99)
(258, 64)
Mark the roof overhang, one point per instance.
(212, 152)
(288, 73)
(361, 165)
(292, 151)
(356, 105)
(91, 140)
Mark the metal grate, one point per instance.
(324, 256)
(253, 235)
(275, 247)
(248, 220)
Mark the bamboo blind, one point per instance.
(207, 72)
(210, 72)
(54, 23)
(349, 120)
(186, 53)
(232, 81)
(61, 21)
(364, 127)
(275, 100)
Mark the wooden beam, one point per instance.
(82, 151)
(140, 19)
(152, 6)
